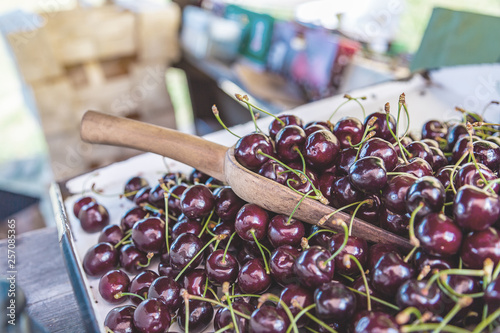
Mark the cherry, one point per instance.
(149, 234)
(309, 129)
(167, 290)
(140, 285)
(390, 272)
(223, 317)
(455, 132)
(393, 222)
(183, 250)
(325, 184)
(157, 196)
(186, 225)
(275, 126)
(439, 160)
(422, 259)
(100, 259)
(282, 263)
(142, 196)
(295, 182)
(376, 251)
(434, 129)
(420, 149)
(427, 192)
(416, 293)
(251, 219)
(111, 234)
(374, 322)
(439, 235)
(288, 139)
(197, 177)
(197, 201)
(463, 284)
(321, 149)
(312, 268)
(361, 300)
(133, 185)
(334, 302)
(174, 201)
(416, 166)
(381, 126)
(113, 283)
(93, 217)
(461, 148)
(492, 294)
(344, 193)
(121, 319)
(479, 245)
(246, 150)
(475, 209)
(294, 293)
(280, 231)
(164, 269)
(381, 148)
(131, 216)
(132, 259)
(227, 203)
(195, 283)
(356, 246)
(274, 171)
(469, 174)
(227, 228)
(200, 315)
(345, 159)
(487, 153)
(368, 174)
(221, 267)
(152, 316)
(394, 193)
(267, 319)
(80, 203)
(349, 131)
(252, 277)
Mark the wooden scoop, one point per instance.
(219, 162)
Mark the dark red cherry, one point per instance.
(295, 182)
(370, 210)
(380, 148)
(374, 322)
(420, 149)
(355, 246)
(93, 217)
(344, 193)
(349, 131)
(463, 284)
(227, 203)
(164, 269)
(131, 216)
(393, 222)
(253, 278)
(267, 319)
(113, 283)
(377, 250)
(80, 203)
(142, 196)
(133, 185)
(195, 283)
(302, 296)
(281, 264)
(111, 234)
(325, 124)
(174, 202)
(281, 232)
(394, 193)
(479, 245)
(390, 272)
(198, 177)
(492, 294)
(468, 174)
(487, 153)
(334, 302)
(345, 159)
(248, 147)
(221, 268)
(416, 166)
(461, 148)
(186, 225)
(439, 235)
(121, 319)
(184, 249)
(227, 228)
(223, 317)
(100, 259)
(274, 171)
(131, 259)
(315, 127)
(422, 259)
(275, 126)
(197, 201)
(361, 303)
(140, 285)
(157, 196)
(149, 234)
(321, 149)
(455, 132)
(168, 290)
(427, 191)
(381, 126)
(325, 183)
(251, 218)
(475, 209)
(312, 268)
(152, 316)
(288, 139)
(415, 293)
(439, 160)
(368, 174)
(434, 129)
(200, 316)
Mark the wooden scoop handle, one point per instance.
(199, 153)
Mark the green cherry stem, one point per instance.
(376, 299)
(215, 111)
(404, 316)
(302, 177)
(346, 238)
(108, 330)
(300, 314)
(218, 237)
(227, 327)
(351, 222)
(491, 183)
(123, 240)
(261, 250)
(276, 299)
(449, 289)
(403, 150)
(482, 325)
(289, 220)
(120, 295)
(427, 327)
(313, 318)
(225, 290)
(227, 247)
(496, 272)
(455, 167)
(454, 271)
(149, 256)
(413, 239)
(319, 231)
(239, 313)
(245, 100)
(325, 218)
(207, 222)
(462, 303)
(347, 262)
(167, 219)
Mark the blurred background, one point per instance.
(166, 62)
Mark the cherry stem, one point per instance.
(482, 325)
(215, 111)
(227, 327)
(245, 100)
(471, 152)
(427, 327)
(149, 256)
(239, 313)
(454, 271)
(313, 318)
(488, 105)
(462, 303)
(347, 277)
(455, 167)
(404, 316)
(186, 304)
(108, 330)
(349, 98)
(413, 239)
(347, 262)
(285, 307)
(299, 174)
(227, 247)
(197, 254)
(402, 149)
(289, 220)
(496, 272)
(351, 222)
(225, 290)
(376, 299)
(257, 129)
(120, 195)
(490, 184)
(346, 238)
(207, 222)
(123, 239)
(120, 295)
(244, 295)
(448, 288)
(261, 250)
(366, 134)
(319, 231)
(165, 197)
(410, 254)
(328, 216)
(151, 208)
(299, 315)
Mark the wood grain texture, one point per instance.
(42, 276)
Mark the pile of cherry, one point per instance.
(245, 269)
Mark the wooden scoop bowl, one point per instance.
(219, 162)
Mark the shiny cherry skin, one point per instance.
(174, 202)
(251, 218)
(113, 283)
(374, 322)
(131, 257)
(380, 126)
(380, 148)
(344, 193)
(288, 119)
(346, 158)
(296, 183)
(221, 268)
(311, 267)
(111, 234)
(463, 284)
(168, 290)
(200, 316)
(439, 235)
(301, 295)
(195, 283)
(315, 127)
(439, 160)
(334, 302)
(376, 251)
(355, 246)
(487, 153)
(426, 190)
(469, 175)
(368, 174)
(157, 196)
(393, 222)
(227, 203)
(288, 139)
(421, 259)
(321, 149)
(394, 193)
(414, 293)
(267, 319)
(325, 183)
(349, 131)
(196, 176)
(274, 171)
(100, 259)
(252, 277)
(390, 272)
(479, 245)
(416, 166)
(281, 232)
(420, 149)
(93, 217)
(248, 147)
(186, 225)
(492, 294)
(455, 132)
(164, 269)
(223, 317)
(133, 185)
(434, 129)
(121, 319)
(197, 201)
(149, 234)
(152, 316)
(131, 216)
(140, 285)
(475, 208)
(361, 303)
(281, 264)
(184, 249)
(461, 148)
(80, 203)
(142, 196)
